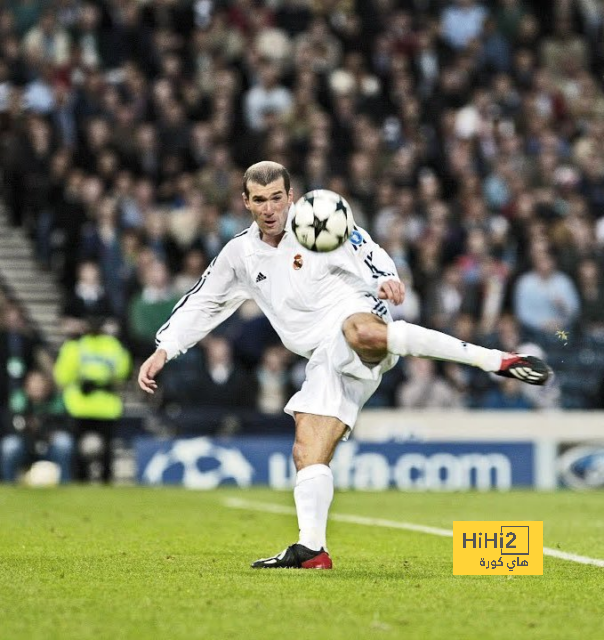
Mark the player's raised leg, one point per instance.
(372, 338)
(314, 446)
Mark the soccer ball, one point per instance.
(322, 220)
(43, 473)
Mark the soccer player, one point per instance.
(329, 308)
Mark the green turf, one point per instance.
(91, 562)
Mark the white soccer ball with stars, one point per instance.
(322, 220)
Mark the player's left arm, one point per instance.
(393, 290)
(377, 267)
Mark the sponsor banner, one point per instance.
(580, 465)
(496, 426)
(206, 463)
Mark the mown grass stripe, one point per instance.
(250, 505)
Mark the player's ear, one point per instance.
(246, 201)
(290, 196)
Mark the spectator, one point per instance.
(447, 298)
(150, 308)
(546, 299)
(6, 86)
(100, 243)
(185, 220)
(88, 299)
(509, 17)
(47, 40)
(38, 93)
(564, 52)
(26, 15)
(462, 22)
(266, 97)
(215, 180)
(320, 45)
(173, 129)
(208, 377)
(87, 36)
(428, 61)
(146, 156)
(69, 215)
(508, 333)
(274, 387)
(37, 429)
(506, 396)
(157, 238)
(37, 154)
(424, 389)
(496, 54)
(18, 351)
(194, 264)
(591, 291)
(235, 219)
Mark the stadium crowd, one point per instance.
(468, 138)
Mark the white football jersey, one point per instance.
(304, 295)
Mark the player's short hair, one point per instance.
(264, 173)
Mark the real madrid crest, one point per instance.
(298, 262)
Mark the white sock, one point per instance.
(406, 339)
(313, 494)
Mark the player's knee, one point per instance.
(364, 335)
(306, 452)
(301, 454)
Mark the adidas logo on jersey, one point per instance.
(260, 277)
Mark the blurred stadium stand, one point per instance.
(468, 137)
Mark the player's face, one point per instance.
(269, 206)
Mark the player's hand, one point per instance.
(392, 290)
(149, 369)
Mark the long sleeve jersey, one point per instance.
(304, 295)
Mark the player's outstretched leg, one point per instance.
(372, 339)
(410, 339)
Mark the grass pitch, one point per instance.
(93, 562)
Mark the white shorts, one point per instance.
(337, 382)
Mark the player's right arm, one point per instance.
(150, 368)
(215, 297)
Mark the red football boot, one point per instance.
(296, 557)
(525, 368)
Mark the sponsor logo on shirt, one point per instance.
(298, 262)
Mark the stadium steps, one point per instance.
(40, 295)
(35, 289)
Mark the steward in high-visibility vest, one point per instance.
(88, 369)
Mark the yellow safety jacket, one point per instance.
(87, 369)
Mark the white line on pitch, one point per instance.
(251, 505)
